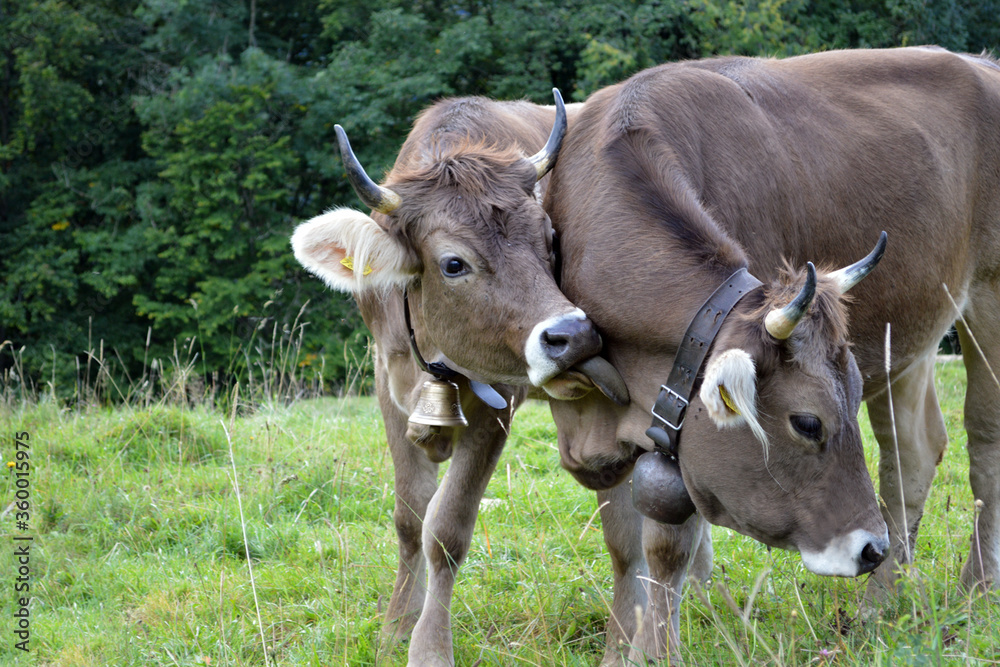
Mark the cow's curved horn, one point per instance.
(780, 322)
(545, 159)
(849, 276)
(372, 194)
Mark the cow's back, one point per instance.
(808, 158)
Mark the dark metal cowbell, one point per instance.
(658, 490)
(439, 405)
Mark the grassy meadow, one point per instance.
(140, 541)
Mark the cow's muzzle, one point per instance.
(851, 555)
(556, 344)
(568, 339)
(562, 355)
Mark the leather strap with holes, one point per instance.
(675, 395)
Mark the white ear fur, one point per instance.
(331, 243)
(733, 373)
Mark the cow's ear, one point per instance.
(351, 253)
(729, 390)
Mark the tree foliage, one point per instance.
(155, 155)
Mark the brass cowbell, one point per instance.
(439, 405)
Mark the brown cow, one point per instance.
(459, 224)
(676, 178)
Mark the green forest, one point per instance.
(155, 155)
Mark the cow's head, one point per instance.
(458, 225)
(772, 436)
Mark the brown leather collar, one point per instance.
(675, 395)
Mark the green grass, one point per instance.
(138, 555)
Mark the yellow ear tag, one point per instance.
(727, 399)
(348, 263)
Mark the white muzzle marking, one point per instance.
(842, 555)
(542, 367)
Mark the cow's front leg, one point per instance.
(448, 527)
(623, 536)
(669, 550)
(921, 439)
(982, 422)
(415, 484)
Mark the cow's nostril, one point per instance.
(556, 342)
(871, 557)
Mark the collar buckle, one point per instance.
(679, 404)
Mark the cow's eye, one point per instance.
(453, 267)
(808, 426)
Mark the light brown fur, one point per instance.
(464, 184)
(688, 171)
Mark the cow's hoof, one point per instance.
(397, 630)
(974, 581)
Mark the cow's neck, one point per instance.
(441, 371)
